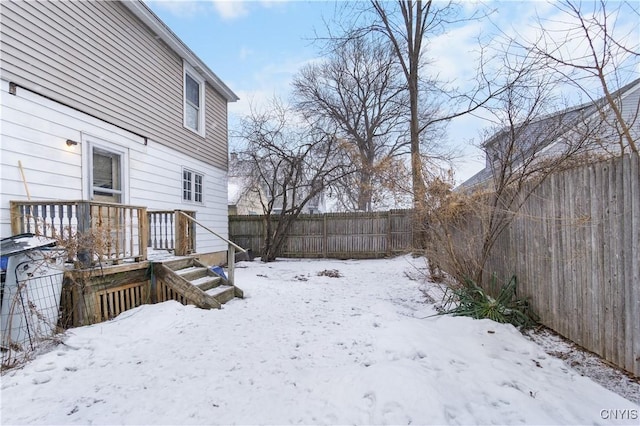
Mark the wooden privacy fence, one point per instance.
(333, 235)
(575, 247)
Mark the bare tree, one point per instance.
(288, 161)
(536, 140)
(357, 89)
(587, 45)
(406, 29)
(409, 26)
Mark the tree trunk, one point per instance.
(365, 193)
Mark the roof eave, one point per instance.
(621, 92)
(146, 15)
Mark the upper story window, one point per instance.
(192, 186)
(194, 106)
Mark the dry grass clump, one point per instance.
(332, 273)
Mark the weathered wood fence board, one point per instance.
(333, 235)
(575, 247)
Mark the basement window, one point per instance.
(192, 186)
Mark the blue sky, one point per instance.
(253, 46)
(256, 47)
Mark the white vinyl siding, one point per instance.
(34, 132)
(101, 59)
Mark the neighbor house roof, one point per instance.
(559, 122)
(569, 115)
(142, 11)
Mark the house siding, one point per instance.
(34, 130)
(631, 110)
(99, 58)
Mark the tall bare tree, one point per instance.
(406, 24)
(408, 27)
(358, 90)
(288, 161)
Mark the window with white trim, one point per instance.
(193, 99)
(192, 186)
(106, 175)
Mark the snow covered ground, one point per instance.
(313, 342)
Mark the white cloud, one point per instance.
(272, 3)
(453, 54)
(257, 99)
(564, 36)
(269, 81)
(244, 53)
(226, 9)
(180, 8)
(231, 9)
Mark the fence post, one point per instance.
(16, 219)
(389, 233)
(84, 217)
(149, 220)
(84, 253)
(181, 234)
(153, 285)
(324, 235)
(143, 231)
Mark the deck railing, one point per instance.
(90, 230)
(169, 230)
(96, 231)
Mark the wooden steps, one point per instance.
(195, 283)
(222, 293)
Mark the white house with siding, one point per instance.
(101, 101)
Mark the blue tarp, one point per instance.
(218, 271)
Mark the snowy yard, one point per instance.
(304, 348)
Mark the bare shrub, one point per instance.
(87, 248)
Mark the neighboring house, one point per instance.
(101, 101)
(549, 134)
(241, 200)
(245, 193)
(244, 199)
(316, 205)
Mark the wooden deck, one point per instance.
(107, 245)
(90, 296)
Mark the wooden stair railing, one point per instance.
(231, 250)
(191, 293)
